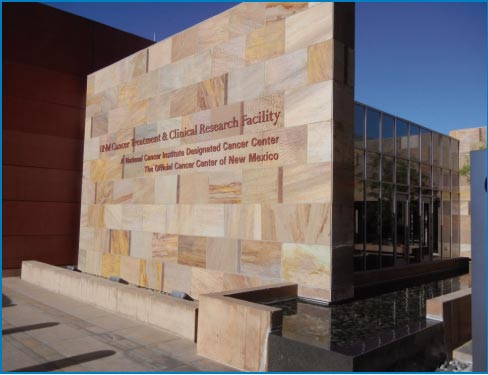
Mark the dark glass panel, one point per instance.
(415, 252)
(402, 222)
(372, 225)
(446, 225)
(455, 182)
(387, 225)
(414, 173)
(425, 145)
(426, 175)
(402, 172)
(359, 164)
(402, 139)
(437, 226)
(454, 154)
(456, 245)
(372, 166)
(358, 126)
(414, 142)
(437, 180)
(446, 152)
(426, 225)
(446, 180)
(388, 134)
(372, 130)
(387, 172)
(436, 146)
(359, 212)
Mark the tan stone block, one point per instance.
(307, 183)
(184, 44)
(119, 242)
(165, 247)
(201, 225)
(133, 170)
(196, 68)
(290, 145)
(319, 142)
(132, 215)
(246, 17)
(130, 269)
(223, 254)
(99, 125)
(102, 102)
(147, 85)
(236, 282)
(172, 218)
(121, 136)
(118, 118)
(260, 185)
(309, 104)
(102, 240)
(81, 265)
(154, 218)
(87, 238)
(123, 191)
(193, 188)
(266, 42)
(306, 264)
(184, 101)
(141, 245)
(246, 83)
(225, 187)
(84, 209)
(261, 258)
(212, 93)
(165, 189)
(243, 221)
(113, 216)
(104, 190)
(272, 103)
(159, 54)
(279, 11)
(158, 108)
(301, 223)
(127, 93)
(138, 113)
(286, 72)
(146, 131)
(176, 277)
(151, 274)
(299, 34)
(88, 130)
(192, 251)
(106, 78)
(205, 281)
(93, 262)
(170, 77)
(143, 190)
(110, 265)
(95, 215)
(91, 150)
(228, 56)
(133, 66)
(320, 62)
(106, 169)
(213, 31)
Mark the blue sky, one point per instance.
(425, 62)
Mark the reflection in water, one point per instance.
(361, 325)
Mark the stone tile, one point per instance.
(91, 149)
(104, 191)
(213, 31)
(278, 11)
(87, 238)
(176, 277)
(260, 258)
(99, 125)
(184, 44)
(205, 281)
(130, 269)
(193, 188)
(307, 183)
(246, 83)
(141, 245)
(184, 101)
(243, 221)
(223, 254)
(212, 93)
(201, 226)
(266, 42)
(159, 54)
(192, 251)
(132, 216)
(147, 85)
(133, 66)
(246, 17)
(93, 262)
(112, 216)
(319, 142)
(225, 187)
(119, 242)
(102, 240)
(306, 264)
(299, 34)
(106, 169)
(260, 185)
(110, 265)
(228, 56)
(151, 274)
(158, 107)
(320, 62)
(154, 218)
(165, 247)
(96, 215)
(286, 72)
(273, 103)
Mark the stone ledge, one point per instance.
(174, 315)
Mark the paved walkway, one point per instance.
(43, 331)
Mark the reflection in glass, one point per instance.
(358, 126)
(455, 182)
(425, 145)
(387, 225)
(401, 228)
(436, 226)
(446, 225)
(426, 225)
(455, 246)
(387, 171)
(446, 180)
(414, 142)
(414, 227)
(436, 146)
(402, 139)
(446, 152)
(359, 212)
(388, 135)
(437, 180)
(402, 172)
(372, 224)
(426, 176)
(359, 164)
(372, 130)
(372, 166)
(414, 173)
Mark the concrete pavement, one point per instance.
(44, 331)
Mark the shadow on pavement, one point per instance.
(6, 301)
(66, 362)
(30, 327)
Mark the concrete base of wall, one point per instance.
(174, 315)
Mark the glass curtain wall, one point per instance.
(406, 192)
